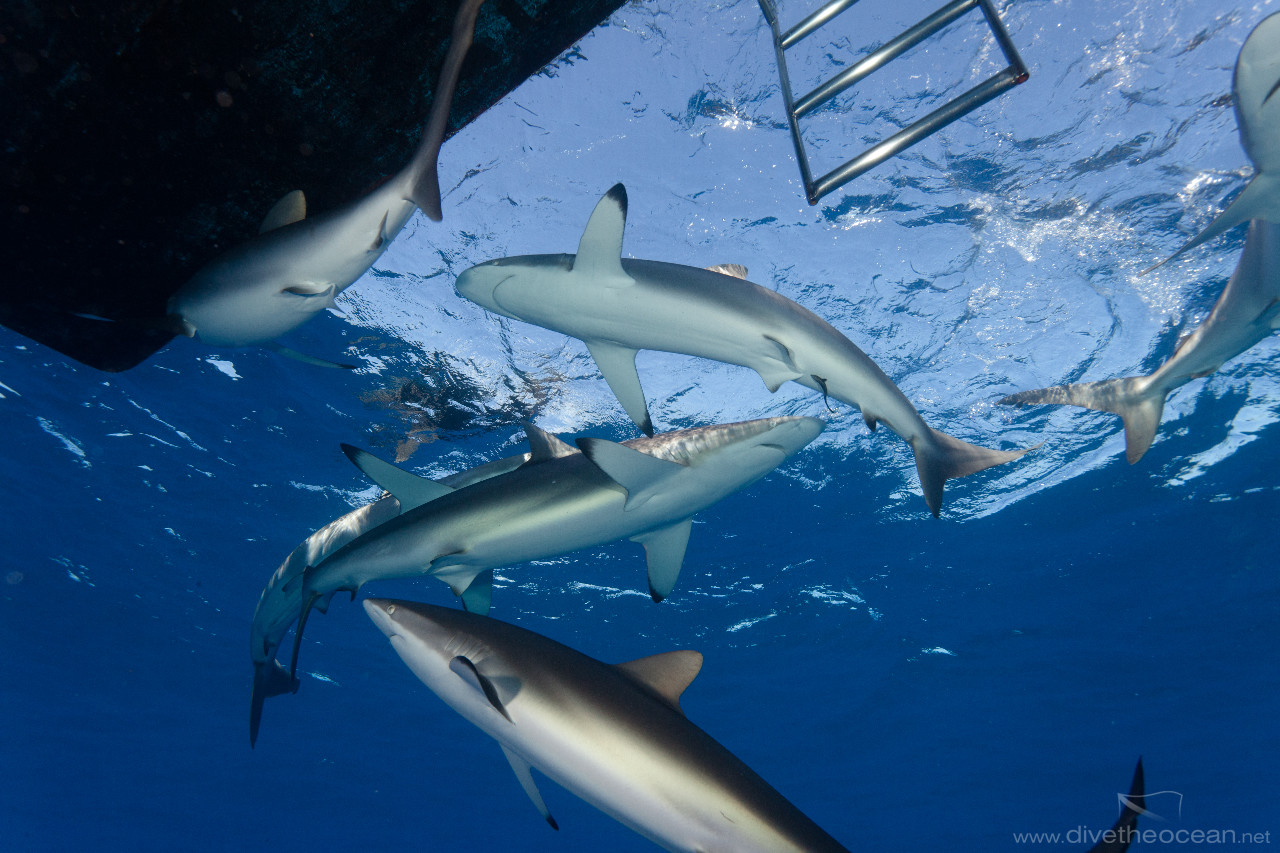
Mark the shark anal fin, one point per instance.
(410, 489)
(618, 367)
(668, 674)
(478, 596)
(544, 445)
(600, 249)
(521, 768)
(641, 475)
(664, 552)
(288, 210)
(466, 670)
(281, 349)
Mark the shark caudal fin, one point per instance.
(939, 457)
(270, 678)
(424, 191)
(1138, 402)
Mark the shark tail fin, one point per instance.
(1259, 200)
(939, 457)
(424, 189)
(1137, 400)
(270, 678)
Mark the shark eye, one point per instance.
(391, 609)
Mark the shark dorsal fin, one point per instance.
(544, 445)
(288, 210)
(667, 674)
(731, 270)
(410, 489)
(641, 475)
(600, 249)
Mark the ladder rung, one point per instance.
(882, 55)
(977, 96)
(813, 22)
(913, 133)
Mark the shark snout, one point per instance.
(479, 283)
(793, 433)
(382, 612)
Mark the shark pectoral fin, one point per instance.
(521, 768)
(288, 210)
(600, 249)
(307, 604)
(778, 367)
(410, 489)
(641, 475)
(668, 674)
(544, 445)
(478, 596)
(1259, 200)
(281, 349)
(466, 670)
(664, 552)
(618, 367)
(731, 270)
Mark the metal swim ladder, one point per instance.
(875, 155)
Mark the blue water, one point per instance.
(909, 682)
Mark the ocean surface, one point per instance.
(910, 683)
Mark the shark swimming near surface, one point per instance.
(1247, 311)
(281, 599)
(297, 265)
(1255, 91)
(563, 499)
(618, 306)
(613, 735)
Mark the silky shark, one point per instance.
(618, 306)
(561, 500)
(281, 599)
(1254, 88)
(1247, 311)
(613, 735)
(297, 265)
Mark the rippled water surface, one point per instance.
(908, 682)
